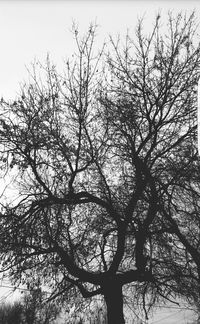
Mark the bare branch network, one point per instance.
(106, 174)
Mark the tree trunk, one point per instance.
(114, 301)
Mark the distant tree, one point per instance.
(30, 309)
(11, 313)
(105, 169)
(36, 310)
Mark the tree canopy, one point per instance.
(105, 168)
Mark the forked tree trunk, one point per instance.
(114, 301)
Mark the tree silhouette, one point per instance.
(105, 169)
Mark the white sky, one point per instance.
(29, 29)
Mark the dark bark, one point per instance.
(113, 296)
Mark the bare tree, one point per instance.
(105, 167)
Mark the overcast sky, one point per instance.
(31, 29)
